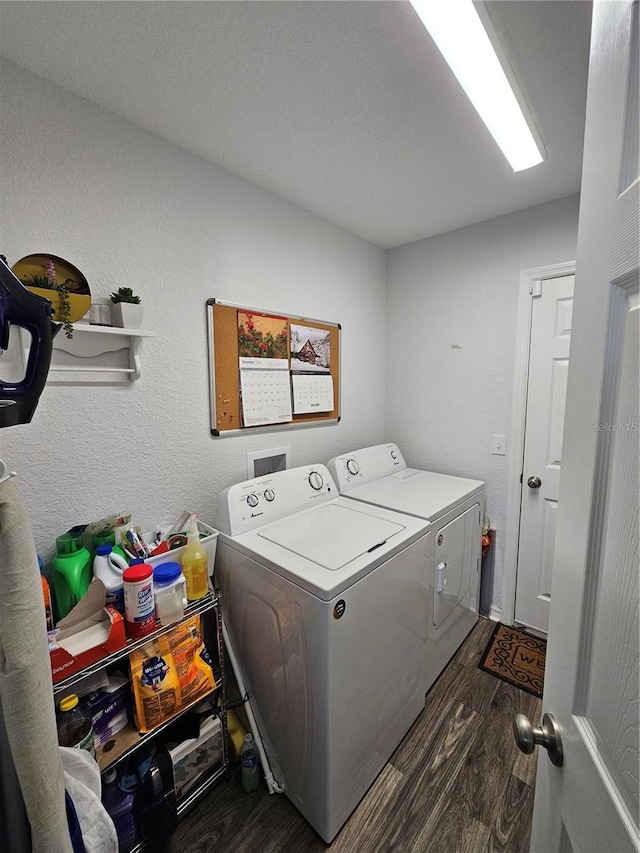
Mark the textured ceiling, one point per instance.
(345, 108)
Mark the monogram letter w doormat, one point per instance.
(516, 658)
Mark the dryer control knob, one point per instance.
(269, 494)
(252, 500)
(315, 480)
(394, 455)
(352, 466)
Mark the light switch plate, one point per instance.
(499, 445)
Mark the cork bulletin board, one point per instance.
(270, 371)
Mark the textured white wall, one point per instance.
(461, 288)
(128, 208)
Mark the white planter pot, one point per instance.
(126, 315)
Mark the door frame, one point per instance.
(530, 282)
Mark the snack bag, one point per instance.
(170, 673)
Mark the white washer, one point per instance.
(455, 507)
(324, 602)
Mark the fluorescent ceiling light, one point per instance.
(457, 30)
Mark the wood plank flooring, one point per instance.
(456, 783)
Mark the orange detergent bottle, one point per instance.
(46, 594)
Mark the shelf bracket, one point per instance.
(88, 343)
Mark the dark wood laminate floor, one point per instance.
(456, 783)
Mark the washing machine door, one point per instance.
(455, 565)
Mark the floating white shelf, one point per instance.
(89, 342)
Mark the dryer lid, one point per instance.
(332, 535)
(414, 492)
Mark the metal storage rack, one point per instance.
(129, 740)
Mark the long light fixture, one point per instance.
(461, 38)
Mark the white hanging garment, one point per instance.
(25, 679)
(82, 781)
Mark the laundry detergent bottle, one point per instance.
(106, 537)
(108, 567)
(120, 807)
(71, 572)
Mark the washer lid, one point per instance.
(332, 535)
(421, 493)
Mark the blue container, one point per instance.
(119, 805)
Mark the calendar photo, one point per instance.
(261, 335)
(310, 349)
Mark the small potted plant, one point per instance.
(126, 309)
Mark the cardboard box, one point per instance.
(109, 708)
(192, 758)
(88, 633)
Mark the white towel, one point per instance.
(82, 780)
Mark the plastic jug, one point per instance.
(108, 567)
(71, 572)
(119, 805)
(106, 537)
(156, 800)
(75, 726)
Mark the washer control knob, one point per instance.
(352, 466)
(315, 480)
(269, 494)
(252, 500)
(394, 455)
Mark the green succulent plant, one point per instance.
(125, 294)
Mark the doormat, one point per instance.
(516, 658)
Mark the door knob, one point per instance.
(534, 482)
(548, 735)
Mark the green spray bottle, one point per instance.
(72, 572)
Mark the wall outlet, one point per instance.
(262, 462)
(499, 445)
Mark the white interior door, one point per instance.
(551, 316)
(591, 803)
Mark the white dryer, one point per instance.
(379, 476)
(324, 601)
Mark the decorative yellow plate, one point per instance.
(32, 271)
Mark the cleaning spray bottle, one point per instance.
(195, 564)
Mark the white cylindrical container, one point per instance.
(108, 567)
(169, 591)
(139, 606)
